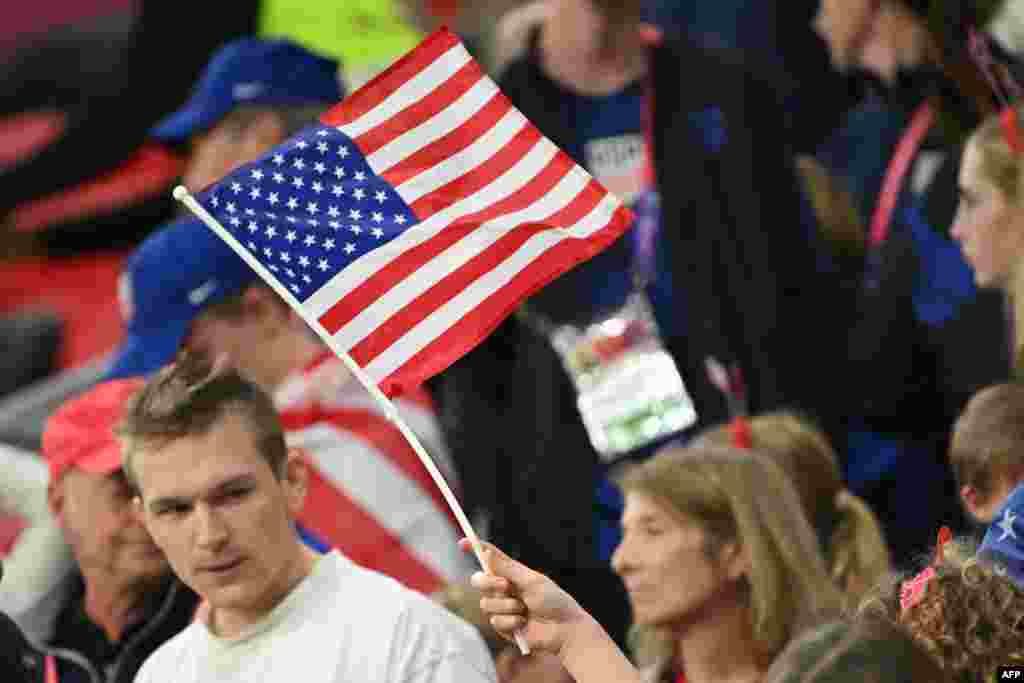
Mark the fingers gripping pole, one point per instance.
(182, 195)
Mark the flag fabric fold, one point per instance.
(417, 215)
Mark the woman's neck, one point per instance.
(578, 63)
(722, 648)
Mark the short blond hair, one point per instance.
(741, 497)
(988, 437)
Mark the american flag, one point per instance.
(417, 215)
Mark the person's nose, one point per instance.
(211, 530)
(622, 559)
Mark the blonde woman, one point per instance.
(989, 223)
(721, 566)
(849, 533)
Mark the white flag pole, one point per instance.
(182, 195)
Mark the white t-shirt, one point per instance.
(341, 624)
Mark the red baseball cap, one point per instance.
(81, 433)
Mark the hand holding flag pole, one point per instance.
(182, 195)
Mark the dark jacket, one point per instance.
(19, 661)
(82, 651)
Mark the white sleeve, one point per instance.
(41, 558)
(455, 668)
(435, 646)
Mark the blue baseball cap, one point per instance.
(253, 71)
(1003, 545)
(173, 276)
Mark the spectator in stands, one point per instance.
(922, 338)
(122, 602)
(964, 613)
(219, 490)
(865, 649)
(987, 451)
(990, 223)
(722, 568)
(512, 666)
(847, 530)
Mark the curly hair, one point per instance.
(970, 618)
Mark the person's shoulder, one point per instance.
(167, 661)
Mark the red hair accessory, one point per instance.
(913, 591)
(1003, 87)
(730, 383)
(1011, 129)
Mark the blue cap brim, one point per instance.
(195, 117)
(141, 355)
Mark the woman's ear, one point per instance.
(734, 560)
(295, 480)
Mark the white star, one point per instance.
(294, 288)
(271, 215)
(322, 147)
(278, 159)
(253, 228)
(310, 240)
(312, 208)
(355, 214)
(236, 221)
(377, 232)
(292, 219)
(358, 193)
(339, 172)
(273, 198)
(360, 176)
(322, 132)
(378, 217)
(328, 244)
(349, 248)
(254, 193)
(297, 182)
(335, 224)
(306, 279)
(286, 257)
(291, 236)
(355, 229)
(380, 197)
(230, 207)
(337, 191)
(271, 232)
(312, 221)
(299, 164)
(278, 177)
(320, 167)
(317, 187)
(293, 203)
(333, 212)
(322, 264)
(273, 267)
(236, 187)
(400, 219)
(301, 144)
(257, 174)
(250, 212)
(252, 245)
(269, 252)
(215, 201)
(304, 261)
(343, 151)
(290, 272)
(1007, 526)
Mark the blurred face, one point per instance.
(663, 563)
(95, 512)
(236, 140)
(989, 231)
(845, 26)
(214, 506)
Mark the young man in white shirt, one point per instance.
(219, 492)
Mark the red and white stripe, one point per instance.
(502, 212)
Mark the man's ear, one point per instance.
(295, 480)
(969, 497)
(56, 499)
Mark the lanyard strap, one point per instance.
(907, 148)
(50, 669)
